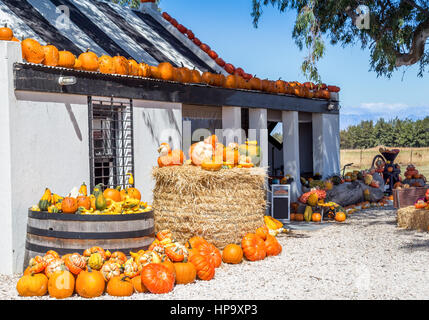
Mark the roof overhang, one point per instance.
(39, 78)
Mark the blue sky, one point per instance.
(270, 52)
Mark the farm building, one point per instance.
(61, 126)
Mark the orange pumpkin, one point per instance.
(52, 56)
(195, 76)
(262, 232)
(272, 246)
(32, 51)
(75, 263)
(157, 278)
(299, 217)
(166, 71)
(66, 59)
(185, 73)
(340, 216)
(6, 33)
(211, 252)
(133, 67)
(253, 247)
(134, 193)
(77, 64)
(255, 84)
(89, 61)
(83, 201)
(232, 253)
(205, 269)
(211, 165)
(112, 194)
(32, 285)
(90, 284)
(231, 82)
(120, 286)
(154, 72)
(195, 242)
(138, 285)
(231, 154)
(69, 205)
(144, 70)
(61, 284)
(316, 217)
(105, 65)
(185, 272)
(121, 65)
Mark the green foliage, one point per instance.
(130, 3)
(393, 133)
(394, 27)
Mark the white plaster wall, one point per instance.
(326, 144)
(154, 123)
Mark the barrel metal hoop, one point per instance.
(44, 215)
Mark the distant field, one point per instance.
(362, 159)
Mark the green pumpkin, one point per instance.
(308, 213)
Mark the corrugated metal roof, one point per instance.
(104, 28)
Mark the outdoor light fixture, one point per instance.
(332, 107)
(67, 81)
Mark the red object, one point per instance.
(333, 89)
(166, 16)
(309, 85)
(240, 72)
(220, 62)
(205, 48)
(197, 41)
(229, 68)
(190, 34)
(247, 76)
(174, 22)
(182, 28)
(213, 54)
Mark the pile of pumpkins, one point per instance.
(156, 270)
(211, 155)
(242, 80)
(108, 202)
(49, 55)
(423, 203)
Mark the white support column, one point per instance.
(258, 131)
(326, 144)
(291, 150)
(10, 52)
(231, 125)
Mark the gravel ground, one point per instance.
(367, 257)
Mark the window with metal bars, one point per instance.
(111, 142)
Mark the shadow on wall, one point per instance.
(150, 121)
(74, 121)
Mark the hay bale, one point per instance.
(220, 206)
(412, 218)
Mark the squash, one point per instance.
(105, 64)
(52, 56)
(166, 71)
(133, 67)
(211, 252)
(61, 284)
(205, 270)
(69, 205)
(32, 51)
(121, 65)
(100, 201)
(32, 285)
(120, 286)
(232, 253)
(90, 284)
(308, 213)
(112, 194)
(89, 61)
(312, 199)
(272, 246)
(66, 59)
(6, 33)
(316, 217)
(185, 272)
(96, 261)
(45, 201)
(211, 165)
(340, 216)
(253, 247)
(157, 278)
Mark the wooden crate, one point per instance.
(407, 197)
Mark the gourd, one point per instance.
(144, 70)
(262, 232)
(45, 201)
(100, 200)
(157, 278)
(367, 195)
(133, 69)
(119, 257)
(75, 263)
(210, 165)
(110, 269)
(37, 264)
(53, 266)
(138, 285)
(105, 64)
(95, 261)
(176, 252)
(69, 205)
(211, 252)
(232, 253)
(340, 216)
(83, 201)
(272, 223)
(316, 217)
(185, 272)
(166, 71)
(308, 213)
(312, 199)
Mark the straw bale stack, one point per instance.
(412, 218)
(221, 206)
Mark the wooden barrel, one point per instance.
(69, 233)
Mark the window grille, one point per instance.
(111, 141)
